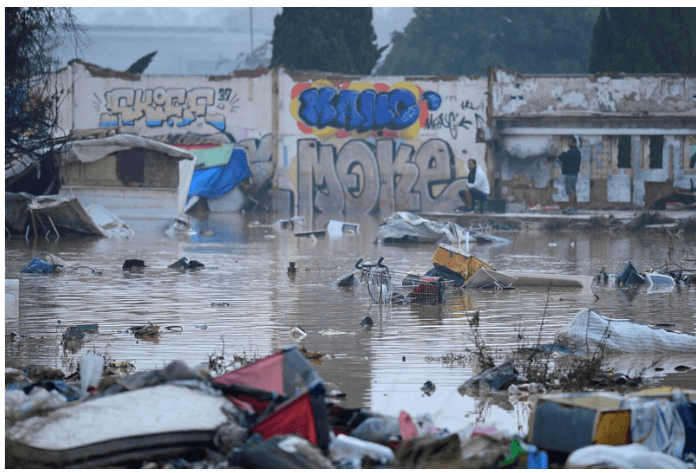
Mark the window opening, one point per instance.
(131, 168)
(656, 143)
(624, 160)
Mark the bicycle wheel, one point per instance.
(379, 286)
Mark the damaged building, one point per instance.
(636, 134)
(336, 144)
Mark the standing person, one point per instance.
(570, 166)
(478, 188)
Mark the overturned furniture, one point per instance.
(630, 276)
(56, 216)
(660, 419)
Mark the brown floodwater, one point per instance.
(245, 303)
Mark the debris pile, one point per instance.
(275, 412)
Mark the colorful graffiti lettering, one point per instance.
(354, 109)
(367, 178)
(174, 107)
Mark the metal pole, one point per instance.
(251, 31)
(380, 289)
(54, 227)
(33, 223)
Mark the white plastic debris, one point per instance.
(589, 330)
(91, 367)
(19, 405)
(632, 456)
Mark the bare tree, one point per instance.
(32, 90)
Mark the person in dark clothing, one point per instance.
(570, 166)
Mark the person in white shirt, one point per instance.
(478, 188)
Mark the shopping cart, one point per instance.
(387, 286)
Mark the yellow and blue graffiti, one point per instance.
(175, 107)
(330, 110)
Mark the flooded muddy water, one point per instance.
(244, 302)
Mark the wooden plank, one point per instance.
(311, 232)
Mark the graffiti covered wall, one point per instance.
(380, 144)
(220, 109)
(344, 144)
(374, 144)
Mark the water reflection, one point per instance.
(249, 303)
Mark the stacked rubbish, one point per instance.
(276, 413)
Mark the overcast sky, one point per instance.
(386, 19)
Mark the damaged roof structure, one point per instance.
(636, 134)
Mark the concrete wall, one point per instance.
(346, 144)
(378, 144)
(516, 94)
(342, 143)
(175, 109)
(532, 114)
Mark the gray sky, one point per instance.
(386, 19)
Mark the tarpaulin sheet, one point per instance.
(411, 227)
(218, 181)
(588, 329)
(89, 151)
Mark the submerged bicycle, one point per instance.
(387, 286)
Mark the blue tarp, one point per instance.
(37, 265)
(218, 181)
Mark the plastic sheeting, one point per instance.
(89, 151)
(65, 213)
(656, 424)
(406, 226)
(632, 456)
(218, 181)
(111, 225)
(587, 330)
(485, 278)
(494, 378)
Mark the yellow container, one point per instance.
(566, 422)
(457, 261)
